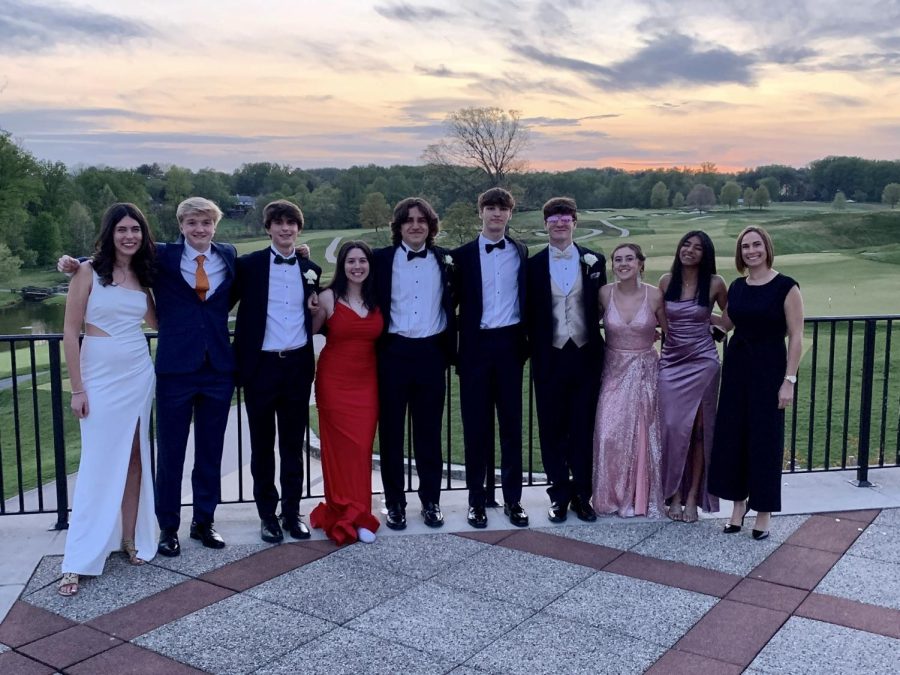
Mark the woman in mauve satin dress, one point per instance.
(627, 452)
(347, 396)
(689, 375)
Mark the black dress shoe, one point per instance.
(432, 515)
(583, 510)
(396, 517)
(516, 513)
(270, 530)
(207, 535)
(759, 535)
(293, 524)
(168, 543)
(477, 517)
(558, 512)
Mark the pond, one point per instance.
(32, 318)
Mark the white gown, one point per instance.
(119, 381)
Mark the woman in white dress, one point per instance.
(112, 390)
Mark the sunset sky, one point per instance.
(343, 82)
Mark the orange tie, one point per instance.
(202, 283)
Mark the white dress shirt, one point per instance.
(213, 265)
(499, 285)
(285, 320)
(416, 294)
(562, 268)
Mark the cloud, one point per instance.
(444, 71)
(839, 101)
(34, 120)
(693, 107)
(404, 12)
(32, 27)
(563, 121)
(663, 61)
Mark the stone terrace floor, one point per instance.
(821, 595)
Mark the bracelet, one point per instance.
(77, 392)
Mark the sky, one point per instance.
(643, 83)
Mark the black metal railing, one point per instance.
(846, 416)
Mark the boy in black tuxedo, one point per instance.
(489, 283)
(566, 349)
(276, 365)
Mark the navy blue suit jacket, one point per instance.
(191, 331)
(252, 290)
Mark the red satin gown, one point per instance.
(347, 401)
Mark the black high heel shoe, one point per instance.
(759, 535)
(733, 529)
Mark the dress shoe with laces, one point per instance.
(293, 524)
(396, 517)
(270, 530)
(516, 513)
(558, 512)
(168, 543)
(207, 535)
(581, 508)
(477, 517)
(431, 513)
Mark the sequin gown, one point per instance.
(347, 401)
(688, 383)
(627, 448)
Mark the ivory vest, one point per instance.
(568, 314)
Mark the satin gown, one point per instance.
(347, 401)
(119, 381)
(627, 448)
(688, 383)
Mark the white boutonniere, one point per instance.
(589, 259)
(448, 260)
(311, 277)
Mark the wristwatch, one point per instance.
(791, 378)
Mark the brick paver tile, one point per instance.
(732, 632)
(26, 623)
(133, 660)
(827, 533)
(13, 662)
(671, 573)
(852, 614)
(561, 548)
(70, 646)
(765, 594)
(674, 662)
(268, 564)
(795, 566)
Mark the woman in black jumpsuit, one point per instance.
(758, 381)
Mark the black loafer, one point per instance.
(516, 513)
(396, 517)
(293, 524)
(432, 515)
(168, 543)
(583, 510)
(558, 512)
(270, 530)
(477, 517)
(207, 535)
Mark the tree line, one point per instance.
(47, 208)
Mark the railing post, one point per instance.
(865, 406)
(59, 440)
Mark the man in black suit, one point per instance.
(566, 350)
(412, 288)
(274, 351)
(489, 283)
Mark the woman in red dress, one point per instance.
(347, 397)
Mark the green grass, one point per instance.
(847, 263)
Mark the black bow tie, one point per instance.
(490, 247)
(281, 260)
(411, 255)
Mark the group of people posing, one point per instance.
(622, 429)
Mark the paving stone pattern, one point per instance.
(821, 595)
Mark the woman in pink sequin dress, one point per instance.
(627, 448)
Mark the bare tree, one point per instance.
(488, 139)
